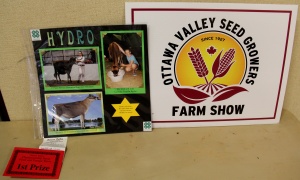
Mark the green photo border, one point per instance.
(126, 90)
(59, 88)
(77, 131)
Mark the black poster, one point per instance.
(93, 79)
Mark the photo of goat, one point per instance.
(124, 59)
(70, 67)
(74, 113)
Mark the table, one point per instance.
(233, 152)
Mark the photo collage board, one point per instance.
(93, 79)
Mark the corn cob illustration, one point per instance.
(222, 66)
(198, 63)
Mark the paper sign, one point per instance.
(54, 143)
(34, 163)
(216, 64)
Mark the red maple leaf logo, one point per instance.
(211, 50)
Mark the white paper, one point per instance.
(59, 143)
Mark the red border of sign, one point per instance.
(133, 10)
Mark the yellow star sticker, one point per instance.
(125, 110)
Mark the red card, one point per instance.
(34, 163)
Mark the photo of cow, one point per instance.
(124, 59)
(70, 113)
(69, 68)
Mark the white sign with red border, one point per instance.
(216, 64)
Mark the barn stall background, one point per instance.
(132, 41)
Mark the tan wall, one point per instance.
(18, 16)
